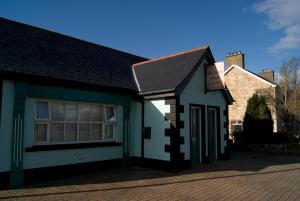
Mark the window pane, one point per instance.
(84, 112)
(110, 113)
(70, 132)
(84, 132)
(96, 132)
(42, 111)
(109, 131)
(40, 132)
(96, 113)
(71, 112)
(56, 132)
(57, 111)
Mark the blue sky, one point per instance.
(267, 31)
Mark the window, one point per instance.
(70, 122)
(236, 126)
(42, 111)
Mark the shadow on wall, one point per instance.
(155, 142)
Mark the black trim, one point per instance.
(181, 124)
(218, 130)
(181, 140)
(160, 164)
(170, 131)
(142, 136)
(226, 154)
(203, 131)
(71, 146)
(205, 78)
(181, 108)
(147, 132)
(4, 180)
(1, 90)
(64, 171)
(173, 132)
(168, 148)
(225, 124)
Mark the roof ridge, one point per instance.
(65, 35)
(171, 55)
(254, 74)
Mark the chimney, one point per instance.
(236, 58)
(268, 74)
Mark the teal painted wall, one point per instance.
(195, 93)
(6, 125)
(72, 156)
(49, 92)
(57, 157)
(155, 118)
(135, 128)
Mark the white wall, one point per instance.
(194, 93)
(155, 118)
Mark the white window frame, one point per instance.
(35, 111)
(114, 108)
(48, 122)
(47, 134)
(237, 123)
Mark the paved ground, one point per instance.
(247, 176)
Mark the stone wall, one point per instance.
(242, 86)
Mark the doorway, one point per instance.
(197, 133)
(212, 120)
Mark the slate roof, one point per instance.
(28, 50)
(168, 73)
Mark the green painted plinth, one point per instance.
(16, 178)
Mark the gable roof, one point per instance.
(273, 84)
(31, 51)
(169, 73)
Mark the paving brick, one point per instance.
(247, 176)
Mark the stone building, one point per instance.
(242, 84)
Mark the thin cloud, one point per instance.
(282, 15)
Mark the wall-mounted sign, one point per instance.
(215, 77)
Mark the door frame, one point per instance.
(218, 133)
(202, 137)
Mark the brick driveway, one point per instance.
(247, 176)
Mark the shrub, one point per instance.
(258, 123)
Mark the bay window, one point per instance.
(58, 122)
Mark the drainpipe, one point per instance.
(126, 135)
(142, 133)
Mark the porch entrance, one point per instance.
(212, 133)
(197, 134)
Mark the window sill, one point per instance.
(54, 147)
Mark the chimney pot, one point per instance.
(268, 74)
(236, 58)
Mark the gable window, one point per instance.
(59, 122)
